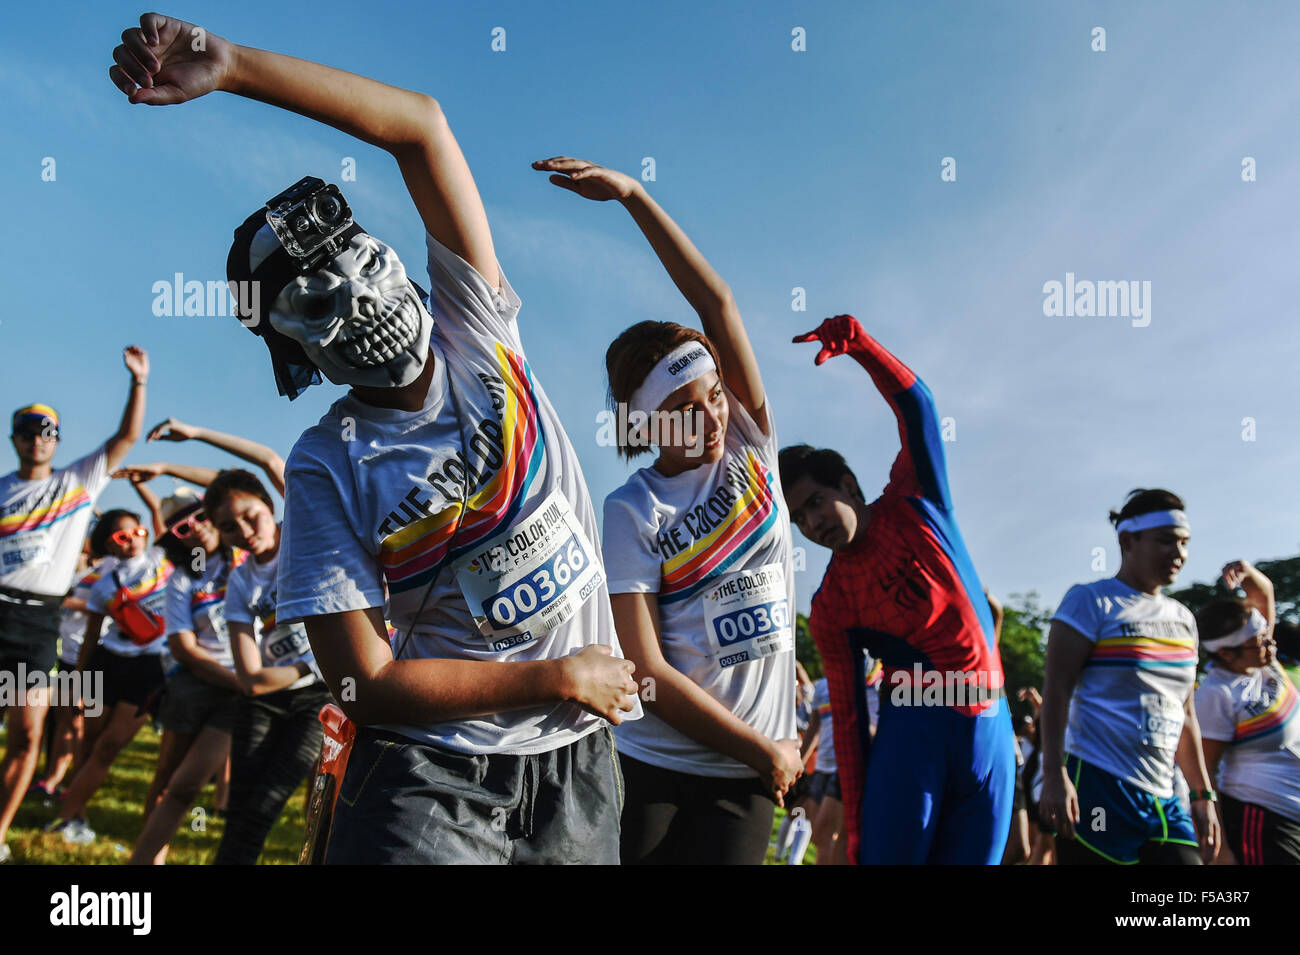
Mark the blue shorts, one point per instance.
(940, 787)
(1116, 818)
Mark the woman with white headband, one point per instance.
(1121, 662)
(697, 548)
(1250, 732)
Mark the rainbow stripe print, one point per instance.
(413, 555)
(63, 507)
(1133, 650)
(146, 587)
(752, 515)
(1279, 711)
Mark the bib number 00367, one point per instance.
(751, 622)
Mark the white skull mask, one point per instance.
(357, 317)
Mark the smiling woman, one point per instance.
(699, 557)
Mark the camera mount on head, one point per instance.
(312, 220)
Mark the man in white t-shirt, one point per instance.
(44, 516)
(444, 477)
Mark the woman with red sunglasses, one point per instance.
(125, 659)
(203, 690)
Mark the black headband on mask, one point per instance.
(294, 370)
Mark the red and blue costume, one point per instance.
(938, 784)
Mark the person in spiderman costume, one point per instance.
(901, 586)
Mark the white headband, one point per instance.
(1144, 522)
(681, 366)
(1255, 625)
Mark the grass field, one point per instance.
(116, 815)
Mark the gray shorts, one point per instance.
(406, 802)
(190, 703)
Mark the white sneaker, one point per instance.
(75, 832)
(5, 853)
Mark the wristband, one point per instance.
(1209, 795)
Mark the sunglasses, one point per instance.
(185, 529)
(31, 434)
(123, 537)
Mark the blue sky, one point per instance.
(817, 169)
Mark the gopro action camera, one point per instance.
(308, 218)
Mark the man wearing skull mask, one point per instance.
(444, 480)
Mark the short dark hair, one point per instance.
(1143, 500)
(823, 465)
(1220, 618)
(104, 527)
(234, 480)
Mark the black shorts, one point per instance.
(127, 679)
(28, 635)
(191, 703)
(822, 784)
(673, 818)
(1259, 836)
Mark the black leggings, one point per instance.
(1259, 836)
(276, 741)
(1069, 852)
(672, 818)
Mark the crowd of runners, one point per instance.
(521, 684)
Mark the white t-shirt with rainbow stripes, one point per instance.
(1257, 713)
(43, 524)
(374, 505)
(713, 543)
(1127, 715)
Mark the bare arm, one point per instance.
(1212, 750)
(1258, 588)
(252, 452)
(185, 648)
(153, 505)
(810, 737)
(132, 424)
(253, 678)
(1191, 760)
(90, 640)
(156, 64)
(996, 609)
(1191, 756)
(354, 645)
(690, 271)
(192, 473)
(686, 707)
(1067, 652)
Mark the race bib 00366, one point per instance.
(30, 548)
(747, 615)
(531, 578)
